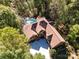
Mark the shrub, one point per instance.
(32, 7)
(38, 56)
(13, 44)
(8, 17)
(25, 7)
(74, 30)
(6, 2)
(73, 36)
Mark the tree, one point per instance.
(8, 17)
(14, 45)
(73, 36)
(38, 56)
(6, 2)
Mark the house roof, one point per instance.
(32, 31)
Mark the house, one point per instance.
(42, 36)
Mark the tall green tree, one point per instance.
(14, 45)
(8, 17)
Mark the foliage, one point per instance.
(69, 16)
(53, 52)
(6, 2)
(64, 15)
(38, 56)
(28, 7)
(73, 36)
(8, 17)
(25, 7)
(74, 30)
(59, 52)
(13, 45)
(31, 7)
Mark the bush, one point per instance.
(8, 17)
(32, 7)
(25, 7)
(66, 14)
(6, 2)
(13, 44)
(73, 36)
(38, 56)
(74, 30)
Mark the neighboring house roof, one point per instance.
(32, 31)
